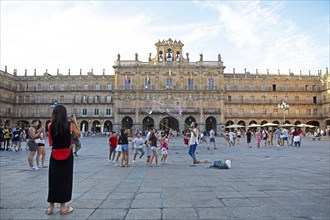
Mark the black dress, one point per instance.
(60, 177)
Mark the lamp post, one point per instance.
(283, 105)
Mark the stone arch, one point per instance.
(147, 122)
(264, 122)
(96, 126)
(230, 122)
(107, 126)
(188, 121)
(298, 123)
(84, 126)
(211, 123)
(127, 122)
(252, 122)
(169, 123)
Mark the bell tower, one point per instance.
(169, 51)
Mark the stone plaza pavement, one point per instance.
(265, 183)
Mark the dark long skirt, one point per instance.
(60, 180)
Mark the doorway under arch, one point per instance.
(169, 123)
(147, 122)
(211, 123)
(107, 127)
(84, 126)
(127, 122)
(96, 126)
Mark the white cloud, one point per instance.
(89, 34)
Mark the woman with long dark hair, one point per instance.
(60, 178)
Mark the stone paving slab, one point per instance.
(266, 183)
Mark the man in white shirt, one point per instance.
(193, 142)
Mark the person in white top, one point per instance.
(193, 142)
(212, 139)
(137, 145)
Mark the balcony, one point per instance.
(211, 111)
(269, 101)
(126, 110)
(190, 110)
(270, 115)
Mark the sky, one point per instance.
(285, 35)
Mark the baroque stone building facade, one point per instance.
(200, 89)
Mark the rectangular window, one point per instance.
(96, 111)
(241, 99)
(147, 83)
(314, 100)
(84, 111)
(230, 110)
(297, 112)
(263, 111)
(275, 99)
(262, 87)
(263, 98)
(308, 112)
(306, 87)
(286, 99)
(240, 86)
(27, 99)
(109, 86)
(251, 86)
(85, 87)
(228, 86)
(285, 87)
(108, 111)
(252, 98)
(27, 87)
(85, 99)
(97, 87)
(61, 98)
(51, 87)
(210, 84)
(127, 83)
(314, 88)
(169, 84)
(275, 111)
(315, 111)
(240, 111)
(39, 87)
(252, 111)
(96, 99)
(108, 99)
(274, 87)
(229, 98)
(296, 98)
(190, 83)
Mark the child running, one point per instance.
(165, 139)
(137, 146)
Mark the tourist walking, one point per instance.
(41, 151)
(193, 142)
(153, 139)
(212, 138)
(258, 138)
(60, 177)
(248, 137)
(113, 141)
(34, 140)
